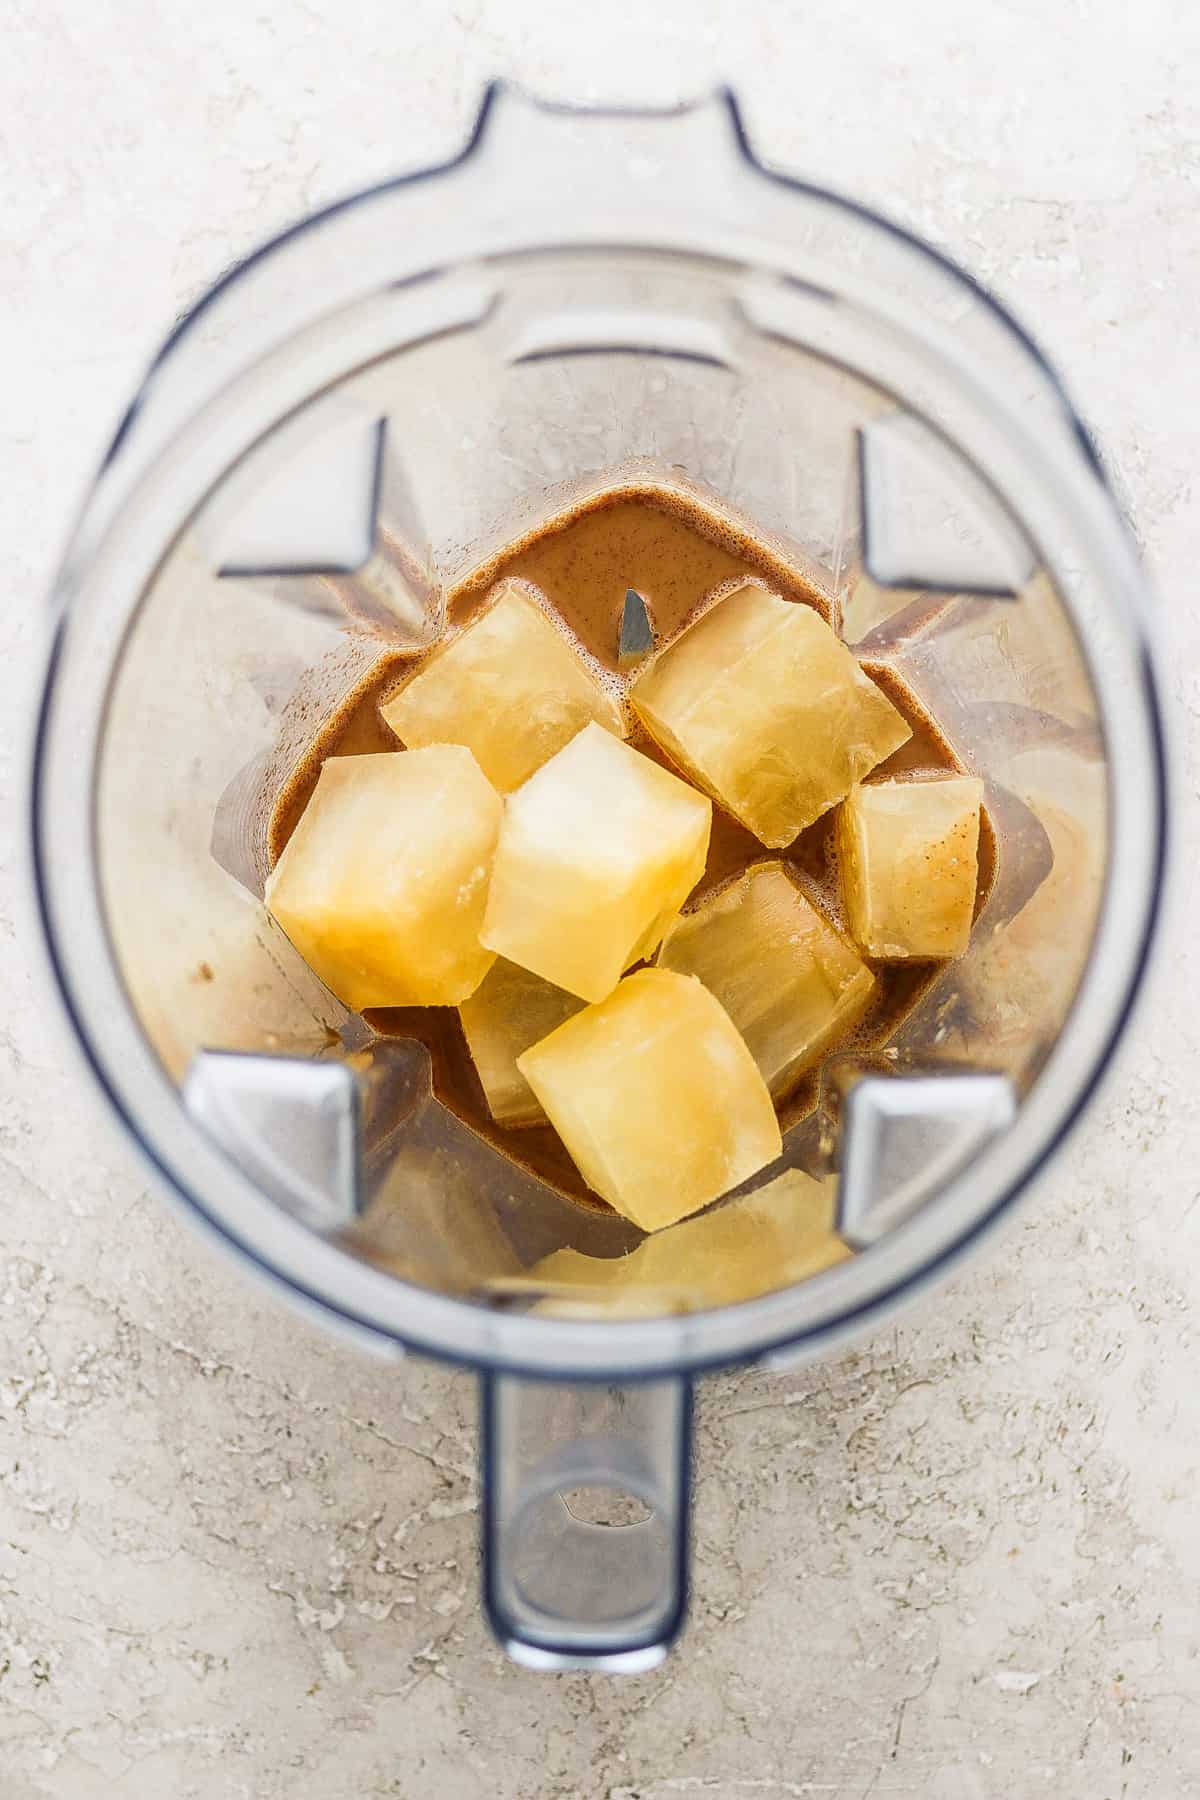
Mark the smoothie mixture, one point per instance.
(631, 903)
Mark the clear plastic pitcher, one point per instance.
(347, 423)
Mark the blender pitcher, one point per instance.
(346, 424)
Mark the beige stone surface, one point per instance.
(958, 1562)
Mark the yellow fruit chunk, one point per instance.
(770, 1239)
(511, 686)
(656, 1097)
(381, 886)
(763, 705)
(789, 981)
(909, 854)
(597, 853)
(510, 1010)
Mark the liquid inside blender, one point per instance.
(681, 553)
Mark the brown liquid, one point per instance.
(675, 551)
(670, 547)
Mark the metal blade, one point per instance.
(637, 635)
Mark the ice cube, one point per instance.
(910, 865)
(781, 1234)
(788, 979)
(762, 704)
(597, 853)
(381, 886)
(656, 1097)
(511, 686)
(510, 1010)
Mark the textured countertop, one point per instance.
(961, 1560)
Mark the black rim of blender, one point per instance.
(854, 1319)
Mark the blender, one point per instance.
(348, 423)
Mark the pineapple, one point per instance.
(781, 1234)
(511, 686)
(789, 981)
(598, 851)
(656, 1098)
(909, 853)
(510, 1010)
(381, 886)
(762, 705)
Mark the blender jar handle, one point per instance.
(585, 1519)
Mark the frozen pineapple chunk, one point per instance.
(510, 1010)
(789, 981)
(763, 705)
(770, 1239)
(656, 1097)
(598, 851)
(510, 686)
(381, 886)
(909, 853)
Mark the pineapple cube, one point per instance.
(656, 1098)
(598, 851)
(381, 886)
(789, 981)
(762, 705)
(781, 1234)
(511, 686)
(510, 1010)
(909, 853)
